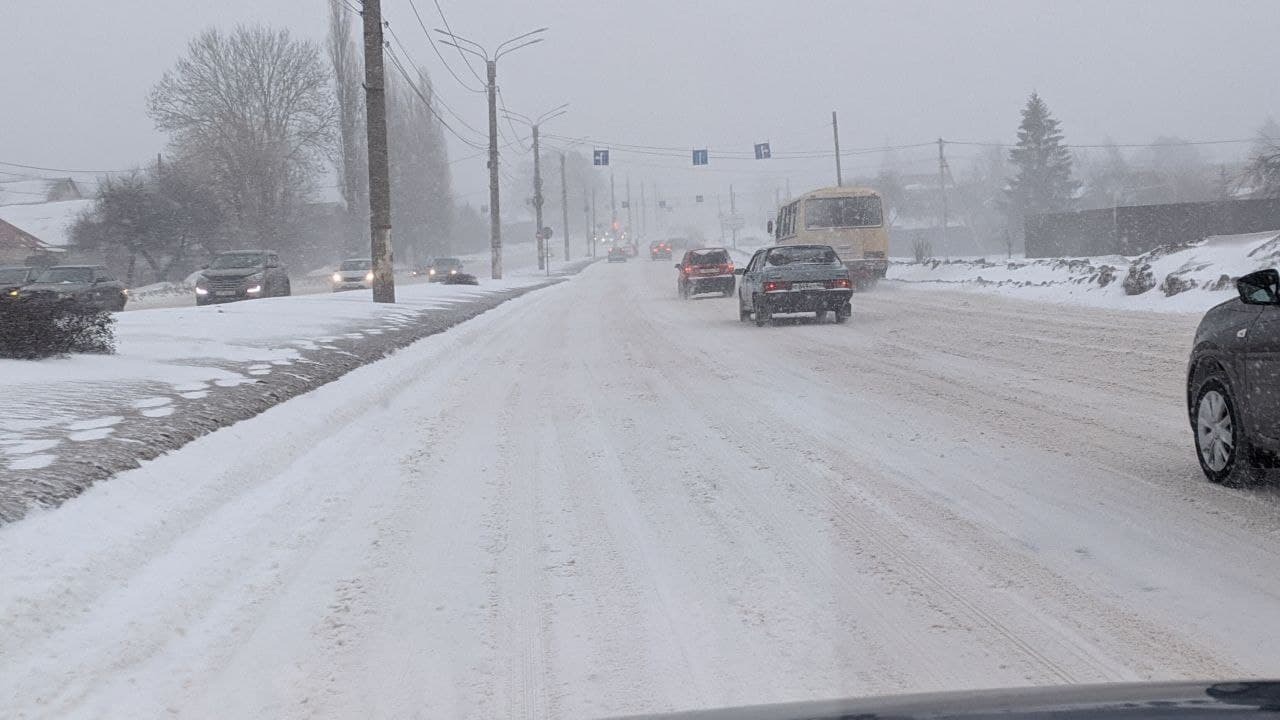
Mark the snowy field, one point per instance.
(1194, 273)
(598, 499)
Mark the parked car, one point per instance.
(795, 279)
(91, 286)
(659, 250)
(440, 268)
(617, 253)
(13, 278)
(353, 274)
(1233, 398)
(705, 270)
(242, 275)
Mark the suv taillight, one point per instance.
(776, 286)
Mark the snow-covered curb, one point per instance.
(1185, 278)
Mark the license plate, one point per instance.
(809, 286)
(708, 271)
(225, 293)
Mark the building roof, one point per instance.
(49, 222)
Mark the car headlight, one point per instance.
(254, 289)
(432, 271)
(337, 277)
(453, 272)
(202, 290)
(369, 277)
(13, 293)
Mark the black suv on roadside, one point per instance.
(13, 278)
(242, 275)
(1233, 382)
(89, 286)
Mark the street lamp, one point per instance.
(491, 65)
(537, 176)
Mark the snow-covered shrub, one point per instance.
(34, 328)
(1139, 279)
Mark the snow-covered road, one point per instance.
(598, 499)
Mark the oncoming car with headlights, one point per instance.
(353, 274)
(441, 268)
(242, 275)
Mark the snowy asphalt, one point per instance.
(598, 499)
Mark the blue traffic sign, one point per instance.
(699, 157)
(601, 157)
(762, 151)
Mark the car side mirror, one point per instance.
(678, 266)
(769, 227)
(1260, 288)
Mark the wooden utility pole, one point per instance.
(835, 131)
(537, 201)
(564, 207)
(384, 288)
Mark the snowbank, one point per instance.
(1177, 278)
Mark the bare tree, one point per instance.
(253, 110)
(348, 94)
(1263, 171)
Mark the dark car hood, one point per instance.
(231, 272)
(1134, 701)
(65, 288)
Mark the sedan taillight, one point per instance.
(776, 286)
(840, 283)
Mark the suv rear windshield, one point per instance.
(709, 257)
(803, 255)
(66, 275)
(231, 261)
(356, 264)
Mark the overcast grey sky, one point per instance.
(692, 73)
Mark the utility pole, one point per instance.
(613, 208)
(644, 211)
(835, 131)
(733, 215)
(384, 288)
(586, 223)
(594, 222)
(564, 207)
(720, 217)
(630, 226)
(537, 201)
(942, 187)
(491, 69)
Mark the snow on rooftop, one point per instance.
(50, 222)
(21, 192)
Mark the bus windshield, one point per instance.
(842, 212)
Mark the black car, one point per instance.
(1259, 699)
(441, 268)
(242, 275)
(705, 270)
(13, 278)
(1233, 397)
(90, 286)
(795, 279)
(659, 250)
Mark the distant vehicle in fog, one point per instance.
(794, 279)
(440, 268)
(659, 250)
(849, 219)
(353, 274)
(90, 286)
(705, 270)
(1233, 382)
(242, 275)
(617, 253)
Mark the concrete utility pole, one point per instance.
(630, 226)
(586, 223)
(564, 207)
(537, 201)
(942, 187)
(733, 215)
(835, 131)
(613, 205)
(491, 68)
(594, 223)
(384, 288)
(720, 217)
(644, 212)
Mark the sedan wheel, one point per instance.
(764, 315)
(1224, 455)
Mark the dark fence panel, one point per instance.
(1133, 230)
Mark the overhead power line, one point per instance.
(395, 60)
(434, 94)
(440, 55)
(461, 54)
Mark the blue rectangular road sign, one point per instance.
(762, 151)
(601, 157)
(699, 157)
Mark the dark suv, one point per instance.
(90, 286)
(1233, 393)
(705, 270)
(242, 275)
(13, 278)
(659, 250)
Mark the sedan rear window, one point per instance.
(803, 254)
(709, 257)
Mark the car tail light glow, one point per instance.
(776, 286)
(688, 269)
(840, 283)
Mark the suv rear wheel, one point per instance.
(1223, 451)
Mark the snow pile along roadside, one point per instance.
(1175, 278)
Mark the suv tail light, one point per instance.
(840, 283)
(776, 285)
